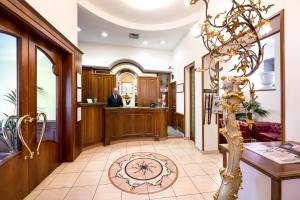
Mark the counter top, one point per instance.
(92, 104)
(135, 108)
(266, 166)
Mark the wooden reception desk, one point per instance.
(105, 124)
(122, 123)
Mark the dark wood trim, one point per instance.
(191, 71)
(192, 64)
(276, 189)
(282, 71)
(126, 61)
(32, 18)
(180, 122)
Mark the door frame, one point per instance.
(171, 100)
(187, 111)
(20, 18)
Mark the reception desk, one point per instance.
(123, 123)
(92, 123)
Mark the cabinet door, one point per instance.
(109, 83)
(147, 91)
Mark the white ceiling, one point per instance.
(170, 22)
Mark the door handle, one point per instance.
(5, 135)
(28, 119)
(43, 115)
(25, 119)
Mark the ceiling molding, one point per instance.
(138, 26)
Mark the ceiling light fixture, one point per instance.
(163, 42)
(78, 29)
(104, 34)
(145, 43)
(148, 4)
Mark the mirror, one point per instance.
(267, 111)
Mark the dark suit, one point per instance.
(115, 101)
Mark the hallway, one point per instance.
(87, 177)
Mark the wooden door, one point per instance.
(13, 102)
(148, 91)
(45, 110)
(172, 104)
(192, 103)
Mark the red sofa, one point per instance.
(246, 133)
(266, 131)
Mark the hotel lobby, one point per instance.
(149, 100)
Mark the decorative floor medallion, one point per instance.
(143, 173)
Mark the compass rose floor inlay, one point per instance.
(143, 173)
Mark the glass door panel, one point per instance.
(8, 94)
(46, 97)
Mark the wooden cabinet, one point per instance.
(101, 86)
(92, 124)
(121, 123)
(97, 85)
(148, 90)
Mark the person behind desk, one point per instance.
(115, 100)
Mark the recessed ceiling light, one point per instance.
(104, 34)
(145, 43)
(163, 42)
(148, 4)
(78, 29)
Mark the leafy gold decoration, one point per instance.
(229, 36)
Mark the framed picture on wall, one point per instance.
(127, 88)
(180, 88)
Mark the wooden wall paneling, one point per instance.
(179, 122)
(148, 90)
(85, 83)
(92, 124)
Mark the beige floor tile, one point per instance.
(46, 182)
(184, 186)
(82, 193)
(204, 184)
(183, 160)
(107, 192)
(193, 170)
(109, 163)
(74, 167)
(181, 172)
(167, 198)
(63, 180)
(53, 194)
(95, 166)
(84, 158)
(217, 178)
(208, 196)
(33, 195)
(209, 168)
(190, 197)
(88, 178)
(128, 196)
(100, 156)
(104, 179)
(59, 168)
(165, 193)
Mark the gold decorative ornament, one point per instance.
(234, 34)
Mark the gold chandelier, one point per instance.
(233, 34)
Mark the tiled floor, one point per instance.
(87, 177)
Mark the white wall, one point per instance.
(104, 55)
(62, 14)
(190, 49)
